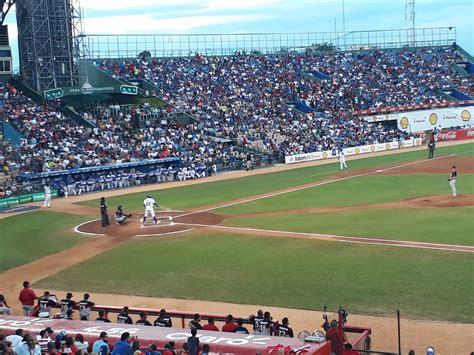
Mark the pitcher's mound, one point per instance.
(441, 201)
(169, 222)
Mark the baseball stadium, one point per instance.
(234, 193)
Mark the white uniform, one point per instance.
(148, 203)
(47, 197)
(342, 160)
(452, 183)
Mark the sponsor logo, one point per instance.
(402, 144)
(418, 141)
(325, 155)
(433, 118)
(387, 146)
(250, 339)
(465, 115)
(372, 148)
(404, 122)
(447, 136)
(470, 132)
(357, 151)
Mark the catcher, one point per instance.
(120, 216)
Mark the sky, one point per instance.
(244, 16)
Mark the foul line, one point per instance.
(167, 233)
(358, 240)
(322, 183)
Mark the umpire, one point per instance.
(104, 217)
(431, 149)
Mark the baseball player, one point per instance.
(342, 159)
(148, 203)
(452, 180)
(47, 196)
(120, 216)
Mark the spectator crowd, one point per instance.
(241, 100)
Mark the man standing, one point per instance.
(45, 303)
(452, 181)
(85, 307)
(47, 196)
(143, 319)
(342, 159)
(123, 317)
(66, 304)
(284, 329)
(431, 149)
(148, 203)
(102, 342)
(122, 347)
(27, 298)
(336, 337)
(193, 342)
(104, 217)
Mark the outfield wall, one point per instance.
(363, 149)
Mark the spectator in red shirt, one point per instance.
(229, 325)
(336, 337)
(210, 325)
(27, 298)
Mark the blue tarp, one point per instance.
(301, 106)
(320, 75)
(99, 169)
(11, 134)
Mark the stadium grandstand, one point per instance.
(91, 117)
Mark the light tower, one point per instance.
(410, 16)
(50, 42)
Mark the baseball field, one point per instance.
(386, 234)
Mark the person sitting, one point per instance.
(120, 216)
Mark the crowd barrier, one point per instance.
(372, 148)
(35, 197)
(451, 135)
(218, 342)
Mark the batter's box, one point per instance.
(161, 221)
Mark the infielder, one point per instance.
(47, 196)
(452, 180)
(148, 203)
(342, 159)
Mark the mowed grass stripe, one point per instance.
(436, 225)
(362, 190)
(205, 194)
(28, 237)
(282, 272)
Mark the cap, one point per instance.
(49, 330)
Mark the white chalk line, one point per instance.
(76, 229)
(321, 183)
(340, 238)
(167, 233)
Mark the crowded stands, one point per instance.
(236, 101)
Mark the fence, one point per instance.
(183, 45)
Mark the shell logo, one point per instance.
(357, 151)
(433, 118)
(418, 142)
(465, 115)
(387, 146)
(402, 144)
(404, 122)
(325, 155)
(372, 148)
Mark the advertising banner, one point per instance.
(372, 148)
(427, 120)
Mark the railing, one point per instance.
(183, 45)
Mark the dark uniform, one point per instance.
(104, 217)
(66, 305)
(124, 318)
(431, 149)
(264, 327)
(163, 321)
(85, 308)
(143, 322)
(284, 331)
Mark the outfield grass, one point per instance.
(437, 225)
(283, 272)
(204, 194)
(357, 191)
(31, 236)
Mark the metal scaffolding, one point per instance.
(50, 42)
